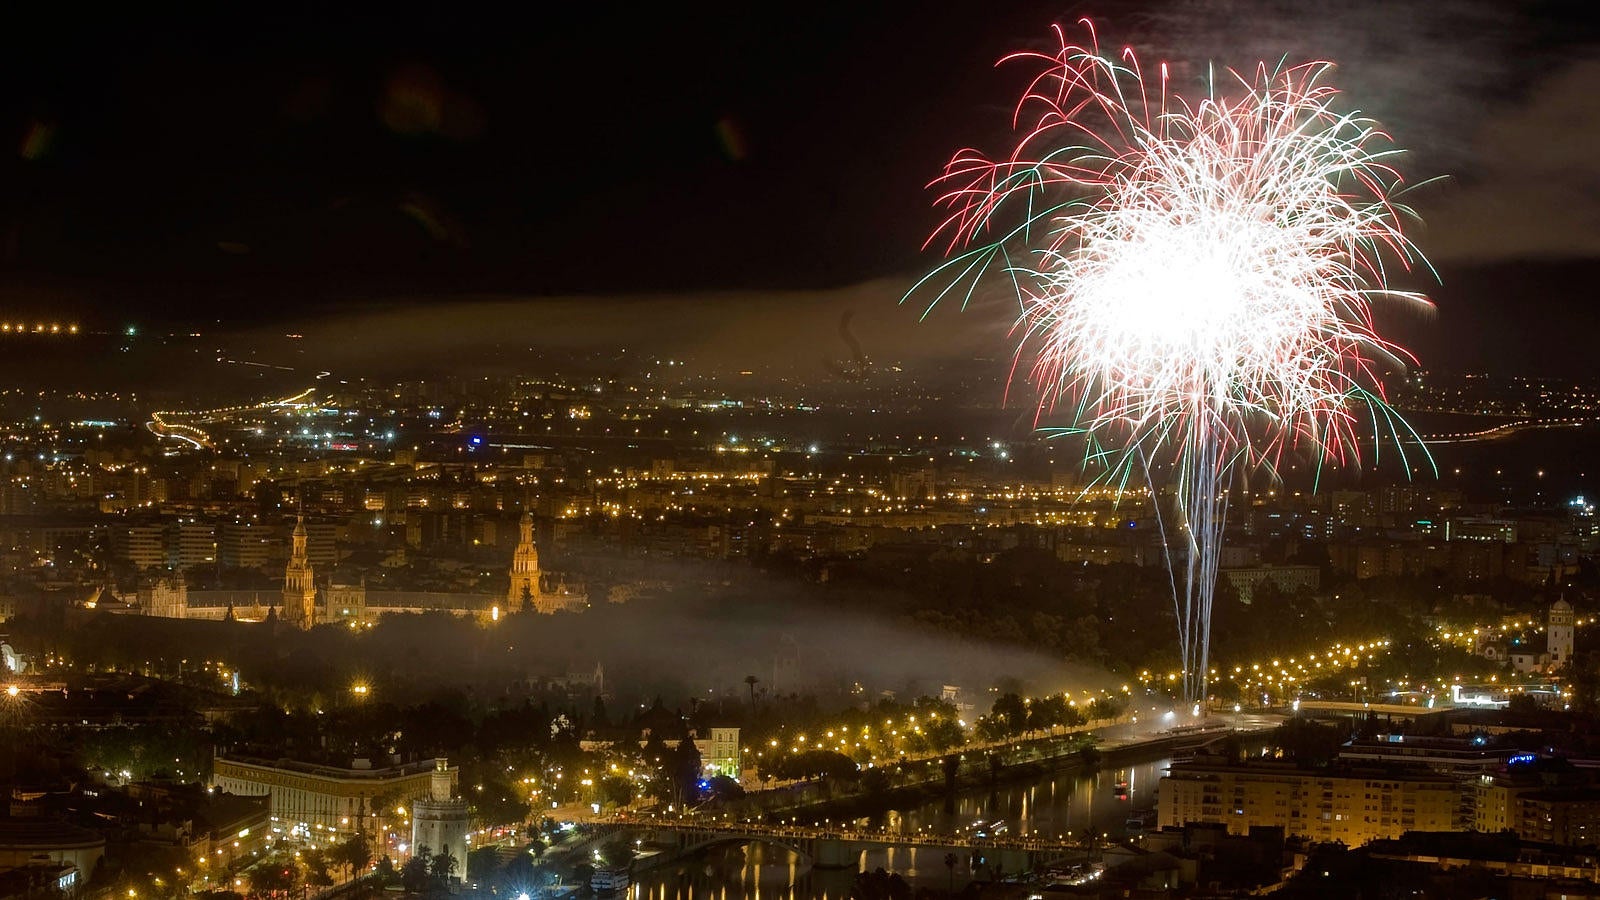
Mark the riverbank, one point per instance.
(914, 783)
(1056, 800)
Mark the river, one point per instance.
(1061, 804)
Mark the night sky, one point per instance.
(227, 167)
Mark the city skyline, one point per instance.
(517, 456)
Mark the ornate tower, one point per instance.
(299, 582)
(524, 592)
(441, 822)
(1558, 635)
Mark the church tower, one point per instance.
(299, 582)
(524, 592)
(1558, 635)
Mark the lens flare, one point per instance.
(1196, 279)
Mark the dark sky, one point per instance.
(223, 165)
(663, 150)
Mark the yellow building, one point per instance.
(1350, 804)
(1538, 811)
(720, 753)
(1495, 806)
(1560, 816)
(307, 798)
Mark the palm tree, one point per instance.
(443, 864)
(751, 681)
(354, 853)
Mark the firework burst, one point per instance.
(1196, 278)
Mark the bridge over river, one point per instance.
(836, 847)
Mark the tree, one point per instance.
(517, 874)
(685, 772)
(443, 865)
(875, 781)
(274, 877)
(316, 862)
(1045, 713)
(990, 729)
(382, 805)
(1011, 713)
(414, 874)
(618, 853)
(818, 764)
(721, 787)
(498, 803)
(1105, 708)
(483, 863)
(750, 682)
(943, 733)
(614, 790)
(354, 854)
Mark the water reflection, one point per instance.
(1100, 802)
(1075, 805)
(740, 871)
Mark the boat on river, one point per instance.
(608, 880)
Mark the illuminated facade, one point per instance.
(345, 602)
(299, 582)
(1558, 635)
(720, 753)
(167, 597)
(1291, 579)
(1352, 804)
(441, 821)
(306, 796)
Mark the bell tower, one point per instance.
(524, 592)
(299, 582)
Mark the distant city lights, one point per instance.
(23, 328)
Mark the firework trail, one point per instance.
(1195, 279)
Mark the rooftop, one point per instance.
(43, 833)
(421, 766)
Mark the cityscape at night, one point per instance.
(909, 451)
